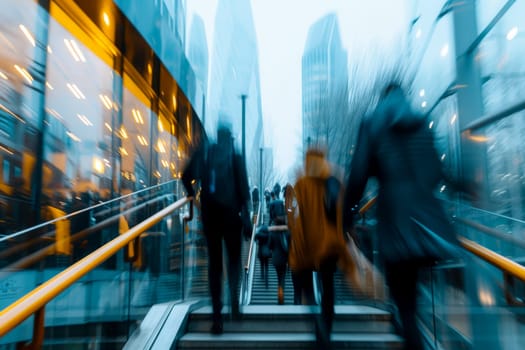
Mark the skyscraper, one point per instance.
(234, 72)
(324, 79)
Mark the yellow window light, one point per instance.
(28, 34)
(106, 19)
(160, 146)
(98, 165)
(123, 132)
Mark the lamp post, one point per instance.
(243, 99)
(260, 175)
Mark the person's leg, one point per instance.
(297, 289)
(233, 246)
(265, 266)
(281, 273)
(326, 276)
(307, 287)
(305, 279)
(402, 283)
(214, 243)
(261, 262)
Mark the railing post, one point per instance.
(185, 221)
(38, 333)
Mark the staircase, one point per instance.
(264, 324)
(291, 327)
(268, 296)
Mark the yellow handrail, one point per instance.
(494, 258)
(367, 205)
(17, 312)
(503, 263)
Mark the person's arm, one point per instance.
(192, 172)
(358, 177)
(243, 191)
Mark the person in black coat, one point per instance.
(263, 251)
(396, 146)
(224, 217)
(279, 243)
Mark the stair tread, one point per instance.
(289, 337)
(299, 309)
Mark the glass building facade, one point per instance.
(468, 73)
(87, 105)
(97, 106)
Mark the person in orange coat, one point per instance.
(317, 242)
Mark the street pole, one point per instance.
(260, 175)
(243, 98)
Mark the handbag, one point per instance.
(362, 274)
(433, 247)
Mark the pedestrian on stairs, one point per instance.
(263, 251)
(396, 146)
(279, 243)
(225, 203)
(317, 241)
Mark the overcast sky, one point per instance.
(282, 27)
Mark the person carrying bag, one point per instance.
(316, 241)
(396, 146)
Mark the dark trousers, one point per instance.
(402, 283)
(227, 228)
(264, 270)
(323, 322)
(281, 273)
(297, 288)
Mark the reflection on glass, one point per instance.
(135, 133)
(75, 163)
(436, 68)
(506, 165)
(19, 110)
(501, 58)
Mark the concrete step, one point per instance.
(287, 341)
(294, 318)
(291, 327)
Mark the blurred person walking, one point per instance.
(290, 204)
(277, 212)
(317, 242)
(277, 190)
(225, 201)
(263, 251)
(279, 242)
(396, 146)
(255, 200)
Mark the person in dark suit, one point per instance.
(279, 243)
(225, 203)
(264, 252)
(396, 146)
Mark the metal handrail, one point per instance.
(484, 121)
(38, 255)
(44, 224)
(250, 251)
(484, 211)
(34, 301)
(492, 232)
(250, 264)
